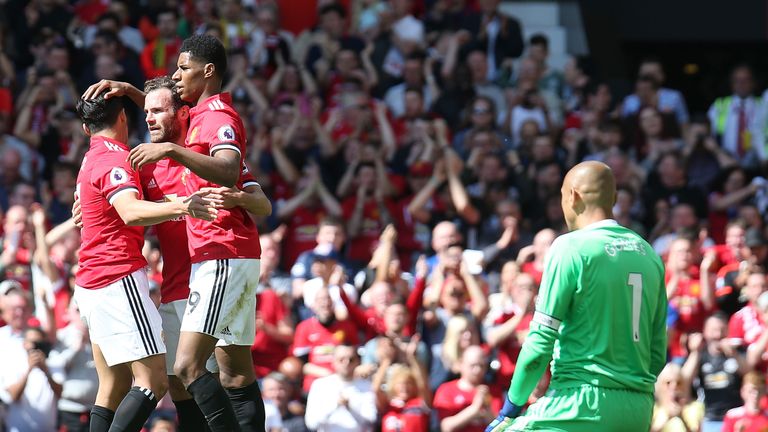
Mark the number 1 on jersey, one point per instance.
(635, 280)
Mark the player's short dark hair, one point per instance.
(165, 82)
(207, 49)
(98, 113)
(539, 39)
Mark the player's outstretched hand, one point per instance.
(200, 208)
(144, 154)
(116, 89)
(505, 418)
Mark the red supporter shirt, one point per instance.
(510, 349)
(449, 400)
(319, 341)
(266, 352)
(361, 247)
(411, 416)
(530, 268)
(110, 250)
(745, 326)
(687, 302)
(724, 256)
(739, 420)
(160, 183)
(301, 233)
(215, 126)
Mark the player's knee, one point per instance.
(160, 387)
(187, 369)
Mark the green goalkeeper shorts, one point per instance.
(588, 409)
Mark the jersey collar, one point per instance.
(207, 104)
(99, 139)
(602, 224)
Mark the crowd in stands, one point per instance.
(414, 152)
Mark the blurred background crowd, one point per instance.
(414, 152)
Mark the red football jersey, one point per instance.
(110, 250)
(450, 400)
(214, 126)
(267, 353)
(319, 341)
(739, 420)
(160, 183)
(745, 326)
(411, 416)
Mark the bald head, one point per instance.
(589, 193)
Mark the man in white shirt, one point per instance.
(30, 387)
(340, 402)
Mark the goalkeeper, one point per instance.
(600, 316)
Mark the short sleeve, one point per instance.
(246, 178)
(116, 177)
(558, 283)
(220, 132)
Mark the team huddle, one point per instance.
(192, 183)
(601, 310)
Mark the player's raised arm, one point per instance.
(115, 89)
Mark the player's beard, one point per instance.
(170, 134)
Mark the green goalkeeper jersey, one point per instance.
(600, 314)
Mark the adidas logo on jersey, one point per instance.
(216, 105)
(112, 146)
(225, 331)
(152, 184)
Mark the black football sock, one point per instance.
(101, 418)
(134, 410)
(249, 407)
(190, 417)
(214, 403)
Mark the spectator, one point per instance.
(674, 410)
(667, 100)
(417, 74)
(718, 367)
(316, 338)
(508, 321)
(274, 326)
(329, 231)
(746, 325)
(18, 246)
(468, 404)
(732, 116)
(73, 354)
(341, 402)
(668, 183)
(750, 416)
(30, 386)
(498, 35)
(116, 20)
(330, 275)
(403, 400)
(158, 58)
(276, 390)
